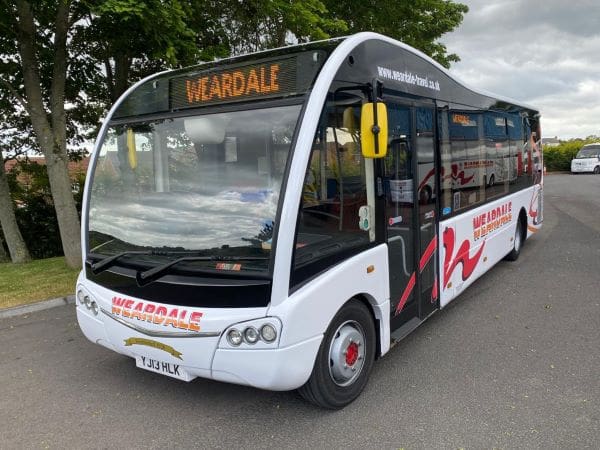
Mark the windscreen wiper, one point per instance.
(108, 262)
(150, 275)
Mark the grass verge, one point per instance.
(42, 279)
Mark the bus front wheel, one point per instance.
(344, 360)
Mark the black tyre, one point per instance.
(344, 360)
(517, 242)
(596, 170)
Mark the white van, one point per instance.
(587, 159)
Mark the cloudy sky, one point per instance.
(542, 52)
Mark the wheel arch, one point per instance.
(379, 319)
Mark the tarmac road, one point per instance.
(512, 363)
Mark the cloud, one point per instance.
(544, 53)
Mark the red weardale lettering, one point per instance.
(137, 311)
(195, 321)
(159, 315)
(478, 221)
(182, 323)
(172, 318)
(491, 220)
(118, 301)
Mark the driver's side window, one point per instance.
(334, 189)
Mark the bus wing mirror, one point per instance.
(373, 130)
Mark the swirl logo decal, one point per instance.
(452, 260)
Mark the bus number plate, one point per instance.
(164, 368)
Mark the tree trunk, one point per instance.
(51, 136)
(66, 211)
(121, 75)
(3, 255)
(16, 245)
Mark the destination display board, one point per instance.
(253, 81)
(239, 80)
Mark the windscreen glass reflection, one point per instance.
(207, 185)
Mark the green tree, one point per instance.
(47, 43)
(34, 38)
(9, 226)
(14, 137)
(30, 188)
(419, 23)
(254, 25)
(64, 61)
(130, 39)
(3, 255)
(558, 158)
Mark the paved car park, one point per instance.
(513, 362)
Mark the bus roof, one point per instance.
(295, 66)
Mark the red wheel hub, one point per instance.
(352, 353)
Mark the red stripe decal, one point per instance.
(428, 253)
(434, 291)
(406, 293)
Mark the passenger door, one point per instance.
(410, 205)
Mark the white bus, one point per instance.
(587, 159)
(255, 220)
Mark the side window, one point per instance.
(333, 192)
(518, 141)
(425, 152)
(446, 182)
(464, 169)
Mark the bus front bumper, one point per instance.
(276, 369)
(280, 369)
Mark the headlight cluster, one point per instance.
(250, 335)
(85, 300)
